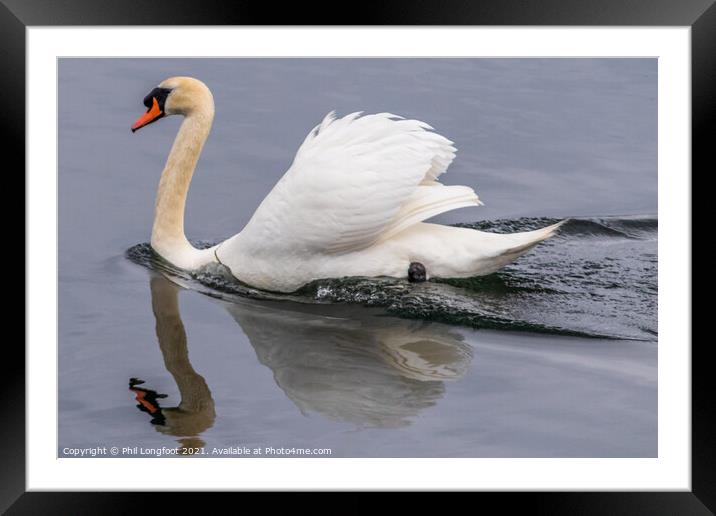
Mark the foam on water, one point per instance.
(596, 278)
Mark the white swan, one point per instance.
(351, 204)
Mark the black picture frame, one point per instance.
(700, 15)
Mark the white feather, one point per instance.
(354, 181)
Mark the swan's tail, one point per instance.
(508, 247)
(528, 239)
(454, 252)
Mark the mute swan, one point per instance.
(351, 204)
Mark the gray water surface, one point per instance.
(536, 138)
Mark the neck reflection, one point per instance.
(195, 412)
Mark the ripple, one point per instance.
(596, 278)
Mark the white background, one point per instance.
(671, 470)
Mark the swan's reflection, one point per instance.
(351, 365)
(343, 362)
(195, 413)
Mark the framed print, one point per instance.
(440, 250)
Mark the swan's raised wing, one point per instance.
(355, 181)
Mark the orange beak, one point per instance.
(150, 116)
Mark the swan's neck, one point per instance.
(168, 237)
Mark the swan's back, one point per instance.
(355, 180)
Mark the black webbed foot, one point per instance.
(417, 273)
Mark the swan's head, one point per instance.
(176, 96)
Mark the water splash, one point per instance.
(596, 278)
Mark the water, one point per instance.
(555, 355)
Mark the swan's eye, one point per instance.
(160, 94)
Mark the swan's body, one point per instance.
(352, 203)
